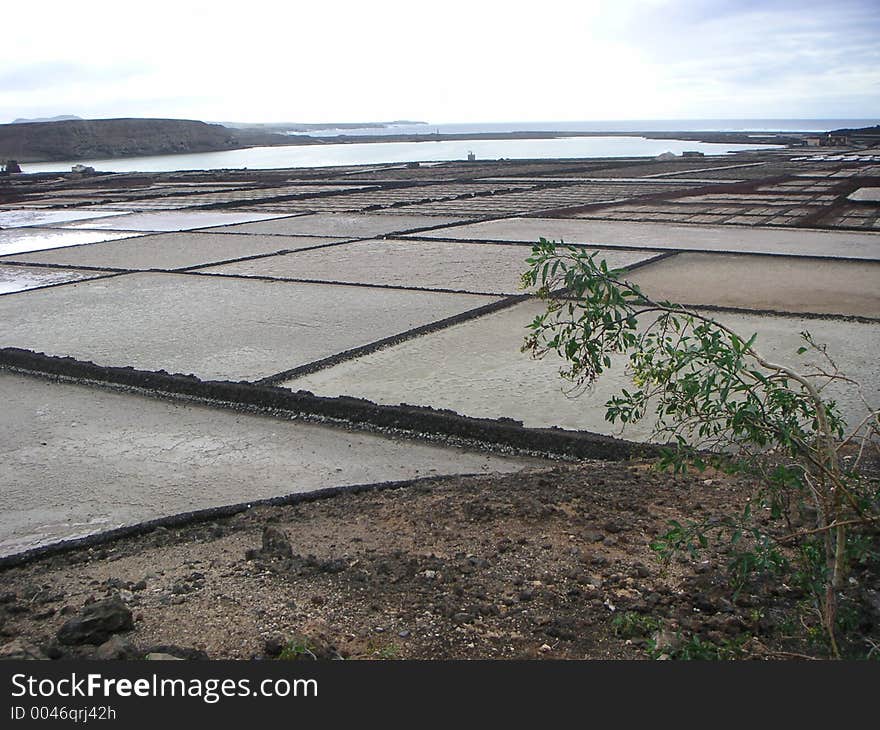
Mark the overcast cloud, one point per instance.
(446, 61)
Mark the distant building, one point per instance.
(472, 157)
(863, 137)
(692, 154)
(831, 139)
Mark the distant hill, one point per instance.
(869, 136)
(81, 139)
(60, 118)
(867, 131)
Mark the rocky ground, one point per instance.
(549, 563)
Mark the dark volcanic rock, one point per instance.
(19, 649)
(116, 648)
(96, 623)
(276, 545)
(178, 652)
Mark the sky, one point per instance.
(444, 61)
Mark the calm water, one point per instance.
(326, 155)
(639, 125)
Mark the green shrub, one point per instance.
(716, 399)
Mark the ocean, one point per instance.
(632, 125)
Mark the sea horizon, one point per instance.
(697, 124)
(747, 124)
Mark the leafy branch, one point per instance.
(708, 387)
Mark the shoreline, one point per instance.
(683, 136)
(708, 137)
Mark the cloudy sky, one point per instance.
(441, 61)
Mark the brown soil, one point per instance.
(549, 563)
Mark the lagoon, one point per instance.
(328, 155)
